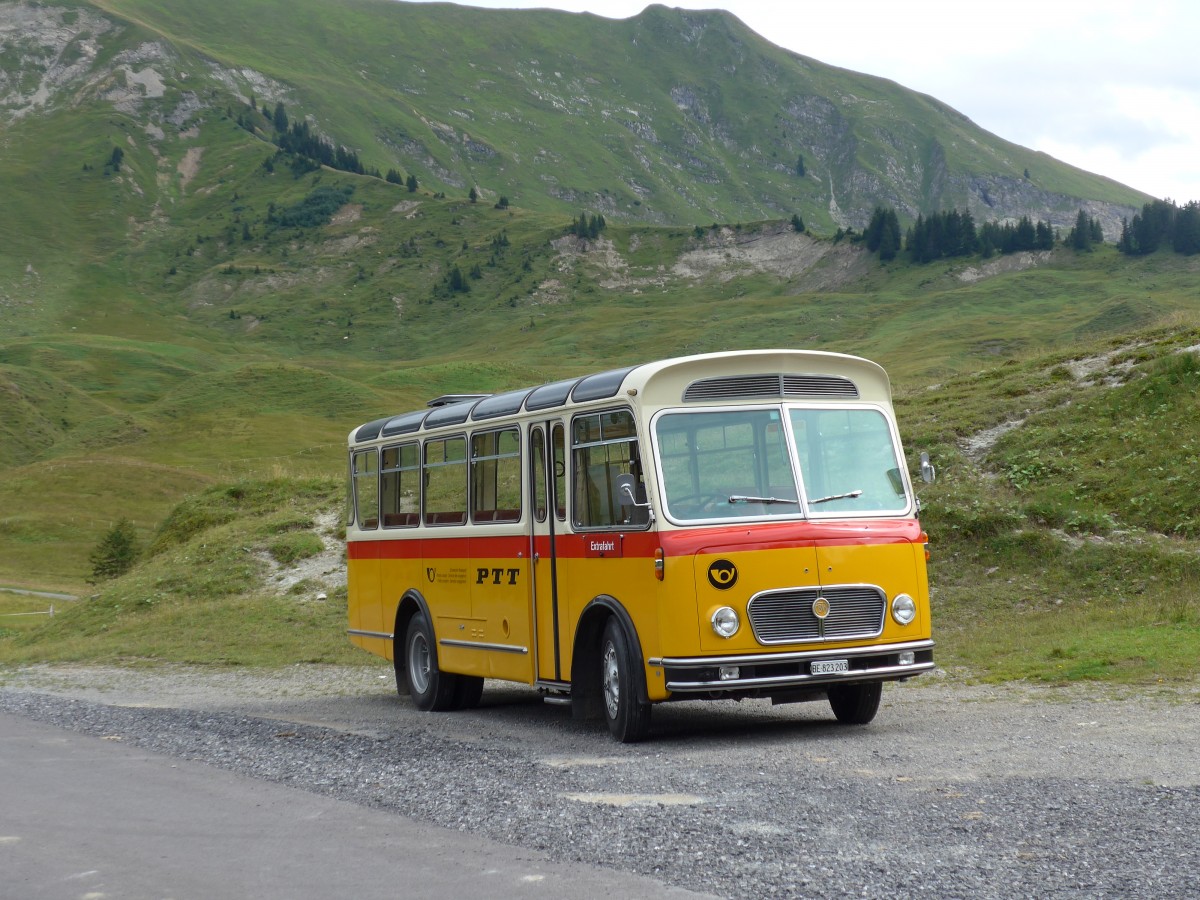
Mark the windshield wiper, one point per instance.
(852, 495)
(740, 498)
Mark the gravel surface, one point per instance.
(954, 791)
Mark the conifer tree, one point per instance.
(456, 282)
(1081, 234)
(115, 554)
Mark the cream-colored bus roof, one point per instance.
(710, 378)
(664, 383)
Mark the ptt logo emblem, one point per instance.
(722, 574)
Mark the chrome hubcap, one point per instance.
(418, 663)
(610, 674)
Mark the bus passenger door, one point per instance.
(547, 502)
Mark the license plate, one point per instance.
(829, 666)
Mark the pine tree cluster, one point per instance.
(1162, 224)
(953, 233)
(587, 227)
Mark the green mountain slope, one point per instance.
(669, 116)
(194, 308)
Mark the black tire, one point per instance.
(468, 691)
(855, 704)
(621, 676)
(431, 689)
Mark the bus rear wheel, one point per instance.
(431, 689)
(855, 704)
(627, 715)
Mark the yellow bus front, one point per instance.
(792, 562)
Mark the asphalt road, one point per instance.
(83, 816)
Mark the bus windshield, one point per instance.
(767, 462)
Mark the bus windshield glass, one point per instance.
(747, 463)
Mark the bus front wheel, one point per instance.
(855, 704)
(431, 689)
(627, 715)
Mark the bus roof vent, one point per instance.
(825, 387)
(762, 387)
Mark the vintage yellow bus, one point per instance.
(729, 525)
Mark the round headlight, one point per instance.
(725, 622)
(904, 609)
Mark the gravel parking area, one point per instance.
(954, 790)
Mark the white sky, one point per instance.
(1110, 86)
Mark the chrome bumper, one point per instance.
(765, 672)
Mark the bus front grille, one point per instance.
(787, 616)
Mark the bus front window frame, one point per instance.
(764, 497)
(767, 493)
(858, 495)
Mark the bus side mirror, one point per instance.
(928, 472)
(626, 493)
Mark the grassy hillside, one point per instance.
(203, 596)
(1065, 539)
(196, 318)
(258, 384)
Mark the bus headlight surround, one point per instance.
(725, 622)
(904, 609)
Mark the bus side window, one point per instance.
(558, 448)
(400, 486)
(604, 448)
(496, 476)
(446, 481)
(537, 451)
(366, 488)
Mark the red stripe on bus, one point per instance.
(782, 534)
(645, 543)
